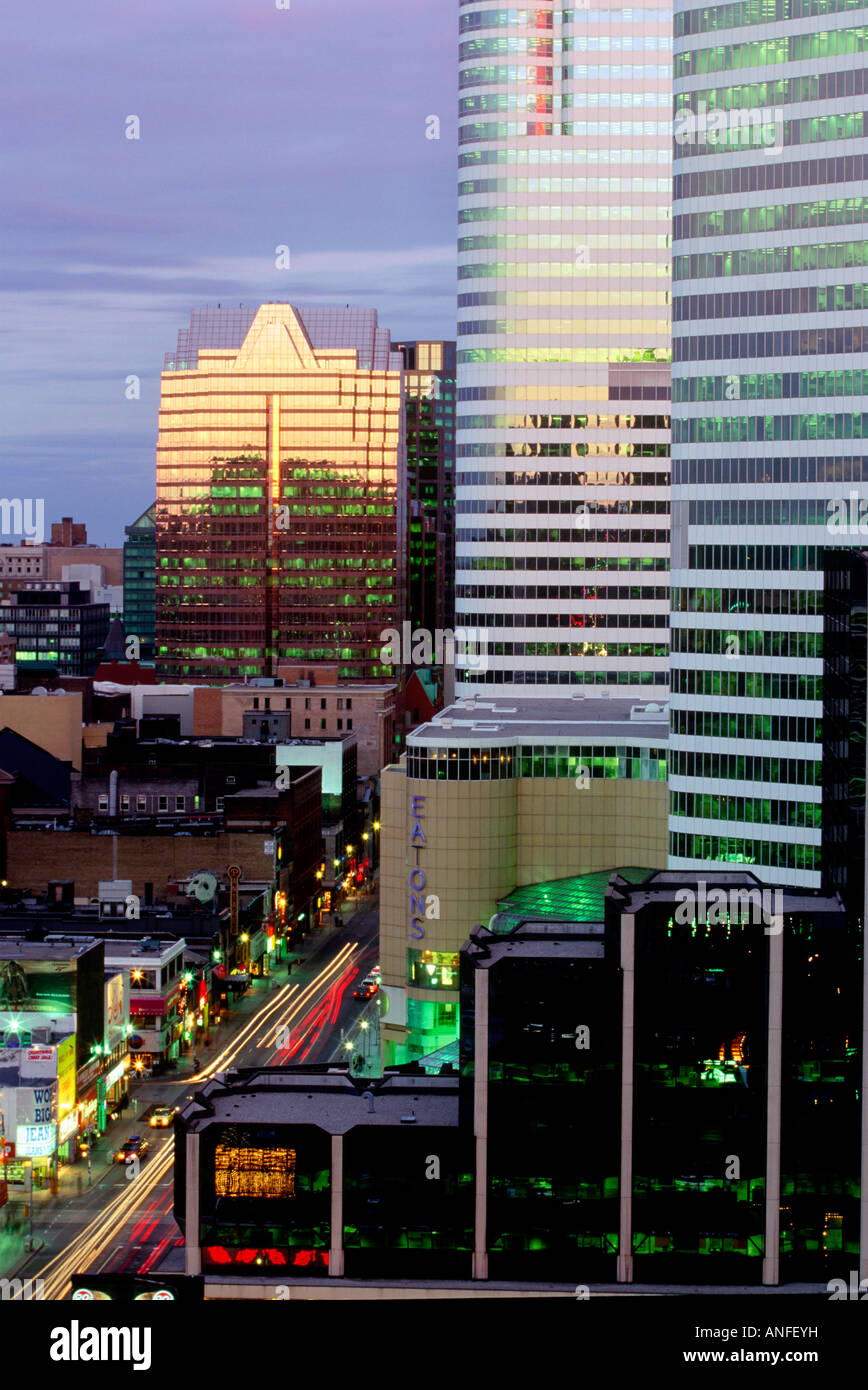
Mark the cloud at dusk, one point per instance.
(257, 127)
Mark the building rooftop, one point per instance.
(327, 327)
(329, 1099)
(662, 886)
(577, 899)
(17, 948)
(541, 719)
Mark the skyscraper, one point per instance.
(139, 573)
(429, 389)
(281, 493)
(562, 465)
(770, 379)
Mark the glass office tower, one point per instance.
(140, 556)
(281, 493)
(562, 467)
(770, 392)
(429, 392)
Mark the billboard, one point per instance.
(35, 1141)
(38, 986)
(66, 1075)
(115, 1011)
(67, 990)
(37, 1104)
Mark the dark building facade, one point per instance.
(56, 627)
(429, 391)
(661, 1092)
(845, 651)
(302, 1172)
(140, 569)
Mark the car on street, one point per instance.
(162, 1116)
(135, 1147)
(366, 990)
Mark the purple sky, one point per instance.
(259, 127)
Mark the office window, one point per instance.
(322, 723)
(340, 704)
(349, 704)
(307, 702)
(103, 802)
(141, 803)
(349, 723)
(162, 803)
(340, 723)
(256, 702)
(180, 803)
(219, 803)
(322, 704)
(268, 702)
(125, 803)
(307, 723)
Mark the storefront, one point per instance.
(258, 953)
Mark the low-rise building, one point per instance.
(491, 796)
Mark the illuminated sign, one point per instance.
(116, 1073)
(36, 1141)
(233, 873)
(417, 874)
(67, 1127)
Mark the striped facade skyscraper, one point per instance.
(770, 411)
(562, 467)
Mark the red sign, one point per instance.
(233, 873)
(151, 1006)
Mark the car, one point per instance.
(366, 990)
(135, 1147)
(162, 1116)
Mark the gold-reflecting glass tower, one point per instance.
(281, 493)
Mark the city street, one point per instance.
(113, 1221)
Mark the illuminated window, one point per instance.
(266, 1173)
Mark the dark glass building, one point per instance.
(845, 634)
(661, 1088)
(540, 1014)
(56, 626)
(140, 564)
(429, 384)
(299, 1171)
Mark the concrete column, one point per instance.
(336, 1242)
(625, 1221)
(192, 1249)
(480, 1124)
(771, 1257)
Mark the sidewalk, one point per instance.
(73, 1179)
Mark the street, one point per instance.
(118, 1219)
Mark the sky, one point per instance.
(258, 128)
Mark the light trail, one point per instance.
(322, 1012)
(299, 999)
(85, 1248)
